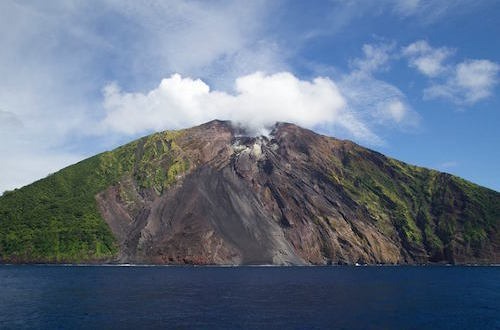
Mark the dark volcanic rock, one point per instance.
(294, 197)
(214, 195)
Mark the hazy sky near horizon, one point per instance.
(417, 80)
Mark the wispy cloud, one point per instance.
(464, 83)
(375, 57)
(344, 13)
(198, 38)
(470, 81)
(376, 101)
(430, 11)
(427, 60)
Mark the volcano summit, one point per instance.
(212, 195)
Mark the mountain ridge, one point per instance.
(212, 195)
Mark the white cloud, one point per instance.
(260, 100)
(376, 57)
(355, 105)
(471, 81)
(477, 77)
(463, 83)
(426, 59)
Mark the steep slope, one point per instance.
(211, 195)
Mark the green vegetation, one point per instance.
(430, 211)
(56, 219)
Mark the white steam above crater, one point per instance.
(258, 102)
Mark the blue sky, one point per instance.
(416, 80)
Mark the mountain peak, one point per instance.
(239, 129)
(216, 194)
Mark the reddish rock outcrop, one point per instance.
(294, 197)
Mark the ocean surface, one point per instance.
(110, 297)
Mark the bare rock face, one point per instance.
(295, 197)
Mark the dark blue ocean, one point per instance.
(96, 297)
